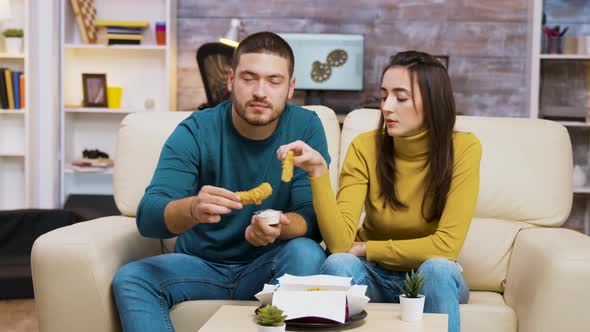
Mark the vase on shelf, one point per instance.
(13, 45)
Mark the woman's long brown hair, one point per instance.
(439, 120)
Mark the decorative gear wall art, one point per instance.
(337, 58)
(321, 72)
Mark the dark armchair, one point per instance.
(214, 61)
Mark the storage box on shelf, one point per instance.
(145, 72)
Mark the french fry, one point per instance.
(255, 195)
(287, 174)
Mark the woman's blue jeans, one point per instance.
(444, 286)
(145, 290)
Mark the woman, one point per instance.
(418, 180)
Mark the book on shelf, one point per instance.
(121, 24)
(21, 82)
(16, 88)
(112, 35)
(3, 94)
(9, 89)
(124, 37)
(124, 31)
(124, 42)
(12, 89)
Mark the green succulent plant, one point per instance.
(412, 285)
(13, 33)
(269, 315)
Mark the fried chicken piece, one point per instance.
(255, 195)
(288, 167)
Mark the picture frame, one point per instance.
(95, 90)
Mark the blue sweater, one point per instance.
(206, 149)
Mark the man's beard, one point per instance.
(241, 110)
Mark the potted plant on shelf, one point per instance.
(412, 302)
(13, 40)
(270, 319)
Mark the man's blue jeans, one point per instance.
(145, 290)
(444, 286)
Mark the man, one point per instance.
(222, 250)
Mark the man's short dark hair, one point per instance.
(265, 42)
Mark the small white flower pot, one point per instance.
(272, 328)
(412, 308)
(14, 45)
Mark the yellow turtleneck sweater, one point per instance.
(399, 240)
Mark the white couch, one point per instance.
(525, 273)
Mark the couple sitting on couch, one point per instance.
(417, 179)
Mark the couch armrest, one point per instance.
(73, 268)
(547, 280)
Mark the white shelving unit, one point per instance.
(101, 110)
(15, 159)
(535, 67)
(118, 47)
(145, 72)
(5, 55)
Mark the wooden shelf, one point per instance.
(15, 112)
(12, 55)
(68, 170)
(565, 56)
(12, 154)
(146, 47)
(100, 110)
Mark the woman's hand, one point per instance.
(358, 249)
(305, 157)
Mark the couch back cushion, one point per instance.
(332, 129)
(525, 180)
(142, 136)
(355, 123)
(139, 143)
(526, 169)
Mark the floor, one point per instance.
(18, 316)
